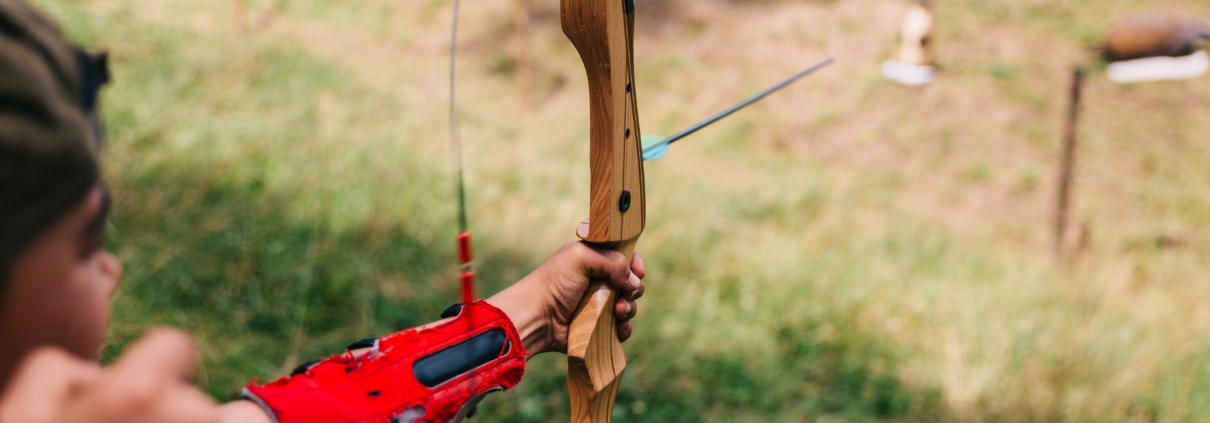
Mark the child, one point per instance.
(56, 281)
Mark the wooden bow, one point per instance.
(602, 31)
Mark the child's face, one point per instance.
(60, 287)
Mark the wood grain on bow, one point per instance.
(602, 32)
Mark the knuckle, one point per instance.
(47, 355)
(619, 268)
(135, 398)
(45, 358)
(580, 250)
(142, 393)
(132, 392)
(620, 259)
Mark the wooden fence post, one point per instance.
(1067, 162)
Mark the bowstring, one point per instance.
(455, 137)
(466, 272)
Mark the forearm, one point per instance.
(531, 321)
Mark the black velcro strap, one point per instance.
(461, 358)
(364, 343)
(452, 311)
(302, 368)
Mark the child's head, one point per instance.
(55, 281)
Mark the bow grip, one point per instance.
(595, 359)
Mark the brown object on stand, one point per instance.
(602, 31)
(1067, 161)
(1155, 34)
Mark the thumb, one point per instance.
(163, 352)
(147, 374)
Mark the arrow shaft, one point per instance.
(698, 126)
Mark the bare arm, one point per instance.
(149, 384)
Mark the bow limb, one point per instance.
(602, 31)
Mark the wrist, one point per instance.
(532, 324)
(242, 412)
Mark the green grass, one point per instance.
(848, 250)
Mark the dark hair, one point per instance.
(49, 145)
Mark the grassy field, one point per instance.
(848, 250)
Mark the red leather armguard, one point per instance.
(434, 373)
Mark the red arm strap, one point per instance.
(434, 373)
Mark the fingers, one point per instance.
(636, 292)
(608, 264)
(164, 354)
(47, 380)
(149, 384)
(637, 266)
(579, 259)
(582, 229)
(625, 309)
(148, 377)
(146, 386)
(624, 331)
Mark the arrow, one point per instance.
(655, 147)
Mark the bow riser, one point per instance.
(602, 31)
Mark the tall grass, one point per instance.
(848, 250)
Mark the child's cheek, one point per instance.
(94, 286)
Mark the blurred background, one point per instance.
(846, 250)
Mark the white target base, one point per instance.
(1159, 68)
(908, 74)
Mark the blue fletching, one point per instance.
(654, 148)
